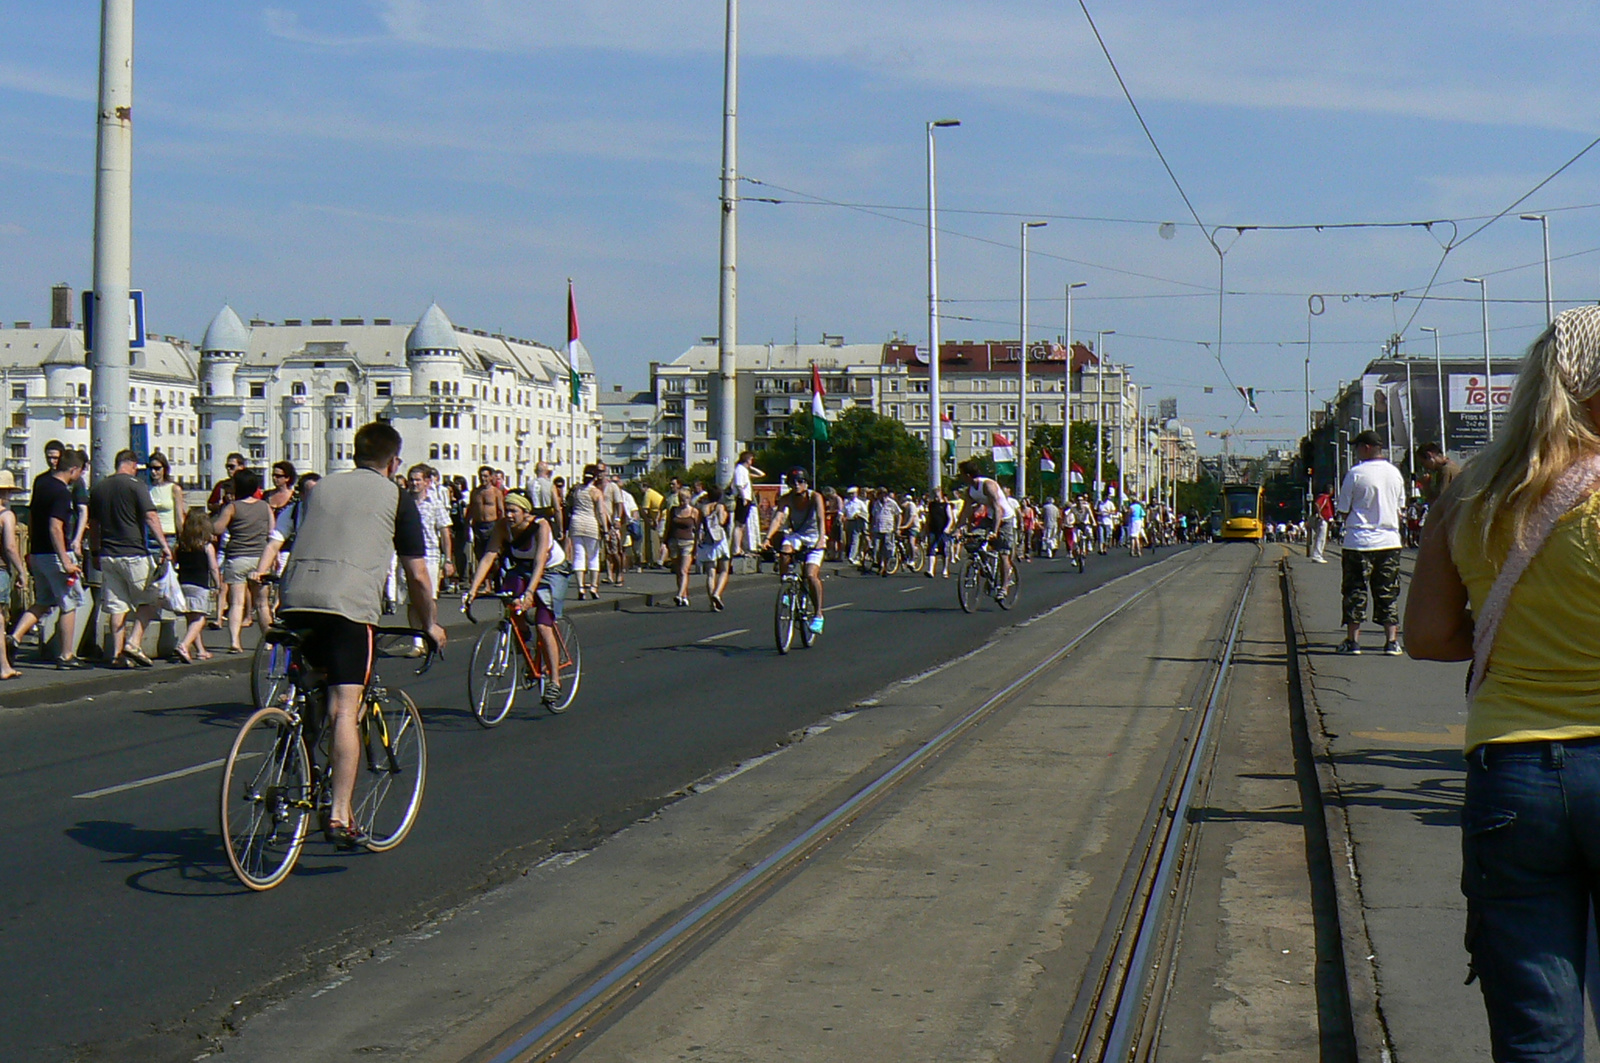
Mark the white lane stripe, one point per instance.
(152, 780)
(918, 587)
(841, 605)
(723, 635)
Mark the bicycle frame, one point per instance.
(514, 612)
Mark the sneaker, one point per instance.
(816, 625)
(1392, 648)
(552, 692)
(1350, 648)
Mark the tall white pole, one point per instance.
(113, 238)
(935, 404)
(1438, 371)
(728, 306)
(1066, 407)
(1022, 361)
(1099, 414)
(1411, 434)
(1488, 363)
(1549, 303)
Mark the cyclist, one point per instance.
(534, 571)
(1002, 509)
(1051, 518)
(803, 509)
(332, 589)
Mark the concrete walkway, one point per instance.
(1392, 730)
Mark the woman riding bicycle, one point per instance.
(532, 572)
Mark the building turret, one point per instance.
(220, 407)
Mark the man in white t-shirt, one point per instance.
(1371, 500)
(745, 531)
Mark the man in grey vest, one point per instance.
(333, 588)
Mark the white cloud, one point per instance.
(1240, 55)
(286, 25)
(39, 82)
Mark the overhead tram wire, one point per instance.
(917, 223)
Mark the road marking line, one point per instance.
(723, 635)
(841, 605)
(152, 780)
(918, 587)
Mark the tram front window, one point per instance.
(1242, 505)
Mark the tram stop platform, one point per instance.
(1391, 732)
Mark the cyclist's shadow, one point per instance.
(187, 862)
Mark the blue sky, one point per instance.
(367, 156)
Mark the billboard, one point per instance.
(1468, 422)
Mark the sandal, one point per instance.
(182, 654)
(344, 836)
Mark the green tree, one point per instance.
(1202, 496)
(869, 450)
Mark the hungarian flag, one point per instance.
(947, 432)
(575, 382)
(1249, 397)
(1075, 478)
(1005, 455)
(819, 415)
(1047, 462)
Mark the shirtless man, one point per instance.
(485, 508)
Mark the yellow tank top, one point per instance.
(1543, 677)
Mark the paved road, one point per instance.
(125, 937)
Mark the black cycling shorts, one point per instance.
(334, 645)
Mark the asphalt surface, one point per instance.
(126, 937)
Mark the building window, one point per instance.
(978, 440)
(702, 448)
(383, 389)
(980, 411)
(19, 391)
(258, 390)
(341, 388)
(433, 451)
(297, 388)
(701, 426)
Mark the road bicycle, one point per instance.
(270, 673)
(278, 770)
(981, 576)
(504, 660)
(1077, 546)
(794, 608)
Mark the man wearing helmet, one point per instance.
(803, 509)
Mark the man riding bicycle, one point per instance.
(1001, 523)
(534, 572)
(333, 591)
(802, 508)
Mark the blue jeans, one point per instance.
(1530, 870)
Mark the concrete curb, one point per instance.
(1369, 1027)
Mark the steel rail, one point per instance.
(552, 1035)
(1135, 926)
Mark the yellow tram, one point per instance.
(1241, 512)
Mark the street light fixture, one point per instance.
(1488, 365)
(1022, 360)
(1100, 412)
(935, 407)
(1544, 225)
(1438, 372)
(1066, 406)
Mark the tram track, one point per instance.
(1110, 1006)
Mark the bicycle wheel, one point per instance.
(918, 555)
(492, 675)
(393, 770)
(570, 669)
(783, 618)
(1077, 559)
(1006, 595)
(967, 587)
(269, 674)
(891, 559)
(265, 799)
(804, 610)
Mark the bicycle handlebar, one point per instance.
(467, 603)
(433, 648)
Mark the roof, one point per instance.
(433, 332)
(985, 356)
(756, 357)
(37, 347)
(226, 333)
(385, 347)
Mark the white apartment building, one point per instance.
(460, 398)
(773, 381)
(44, 395)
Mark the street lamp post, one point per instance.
(1100, 412)
(935, 406)
(1438, 372)
(1022, 361)
(1066, 406)
(728, 272)
(1488, 364)
(113, 239)
(1549, 304)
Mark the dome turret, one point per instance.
(226, 334)
(433, 334)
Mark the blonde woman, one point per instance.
(1508, 577)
